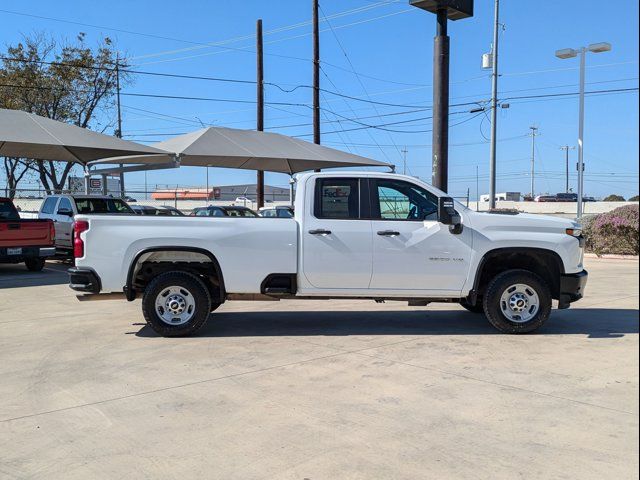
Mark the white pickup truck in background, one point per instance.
(353, 235)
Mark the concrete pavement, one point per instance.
(317, 389)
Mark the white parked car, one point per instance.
(354, 235)
(244, 201)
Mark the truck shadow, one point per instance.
(17, 275)
(595, 323)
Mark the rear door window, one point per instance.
(337, 198)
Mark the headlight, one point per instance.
(574, 232)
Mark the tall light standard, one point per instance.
(571, 53)
(445, 10)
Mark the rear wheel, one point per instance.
(34, 264)
(517, 301)
(176, 304)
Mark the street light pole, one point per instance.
(564, 54)
(444, 10)
(583, 54)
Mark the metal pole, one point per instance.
(260, 104)
(494, 110)
(87, 179)
(477, 190)
(533, 160)
(207, 190)
(439, 156)
(583, 54)
(404, 161)
(566, 149)
(316, 75)
(291, 193)
(119, 132)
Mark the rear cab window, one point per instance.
(102, 205)
(8, 211)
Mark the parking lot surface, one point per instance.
(316, 389)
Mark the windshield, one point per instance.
(102, 205)
(8, 211)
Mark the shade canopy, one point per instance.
(27, 135)
(248, 149)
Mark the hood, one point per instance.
(522, 222)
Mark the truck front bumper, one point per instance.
(572, 288)
(83, 279)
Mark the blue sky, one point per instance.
(379, 51)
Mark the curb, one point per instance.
(610, 256)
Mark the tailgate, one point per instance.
(25, 233)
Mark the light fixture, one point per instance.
(566, 53)
(599, 47)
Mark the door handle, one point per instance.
(320, 231)
(388, 233)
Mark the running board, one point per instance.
(91, 297)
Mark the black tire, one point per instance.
(499, 285)
(477, 308)
(192, 287)
(34, 264)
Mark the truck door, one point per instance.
(412, 251)
(64, 223)
(336, 240)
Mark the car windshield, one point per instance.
(8, 211)
(102, 205)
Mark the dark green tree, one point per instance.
(70, 82)
(613, 198)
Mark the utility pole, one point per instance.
(316, 75)
(119, 132)
(566, 149)
(494, 108)
(533, 135)
(404, 160)
(260, 104)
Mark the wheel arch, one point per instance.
(129, 289)
(544, 262)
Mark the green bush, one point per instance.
(614, 232)
(635, 198)
(613, 198)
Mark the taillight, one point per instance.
(52, 231)
(79, 226)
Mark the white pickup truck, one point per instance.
(353, 235)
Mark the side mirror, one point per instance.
(447, 215)
(66, 212)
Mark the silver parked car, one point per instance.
(63, 208)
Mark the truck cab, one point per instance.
(355, 235)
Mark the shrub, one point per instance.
(614, 232)
(613, 198)
(635, 198)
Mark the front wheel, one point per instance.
(176, 304)
(517, 301)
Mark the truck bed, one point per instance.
(247, 249)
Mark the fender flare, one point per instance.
(130, 292)
(473, 294)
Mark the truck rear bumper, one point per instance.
(83, 279)
(572, 287)
(20, 254)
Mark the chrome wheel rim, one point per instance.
(519, 303)
(175, 305)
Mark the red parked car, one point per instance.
(24, 240)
